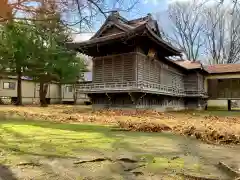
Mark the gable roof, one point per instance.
(223, 68)
(129, 29)
(118, 21)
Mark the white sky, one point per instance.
(82, 37)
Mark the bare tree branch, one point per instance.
(222, 31)
(73, 12)
(187, 28)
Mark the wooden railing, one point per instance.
(133, 86)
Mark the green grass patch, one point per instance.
(166, 163)
(223, 113)
(51, 139)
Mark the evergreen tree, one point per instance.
(37, 49)
(15, 43)
(53, 61)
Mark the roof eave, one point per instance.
(107, 39)
(162, 42)
(131, 34)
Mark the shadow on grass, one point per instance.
(83, 127)
(16, 142)
(109, 138)
(6, 173)
(15, 139)
(120, 140)
(118, 137)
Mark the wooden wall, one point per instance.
(201, 82)
(114, 68)
(158, 71)
(148, 70)
(136, 66)
(155, 71)
(193, 82)
(224, 88)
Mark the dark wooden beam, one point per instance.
(229, 105)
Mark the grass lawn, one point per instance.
(49, 150)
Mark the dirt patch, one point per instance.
(6, 173)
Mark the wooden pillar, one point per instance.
(229, 105)
(206, 107)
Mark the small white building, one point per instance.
(56, 93)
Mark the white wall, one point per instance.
(30, 92)
(217, 103)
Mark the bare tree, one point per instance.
(187, 27)
(215, 34)
(74, 13)
(222, 34)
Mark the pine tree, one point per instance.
(15, 44)
(53, 61)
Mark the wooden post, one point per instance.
(229, 105)
(109, 99)
(75, 94)
(206, 107)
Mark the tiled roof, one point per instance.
(189, 64)
(222, 68)
(130, 29)
(138, 22)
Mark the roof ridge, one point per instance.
(137, 19)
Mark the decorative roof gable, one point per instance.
(115, 24)
(118, 29)
(112, 25)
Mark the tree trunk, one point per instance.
(19, 88)
(229, 105)
(60, 93)
(42, 94)
(74, 94)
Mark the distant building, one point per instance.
(56, 93)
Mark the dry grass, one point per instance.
(212, 127)
(209, 128)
